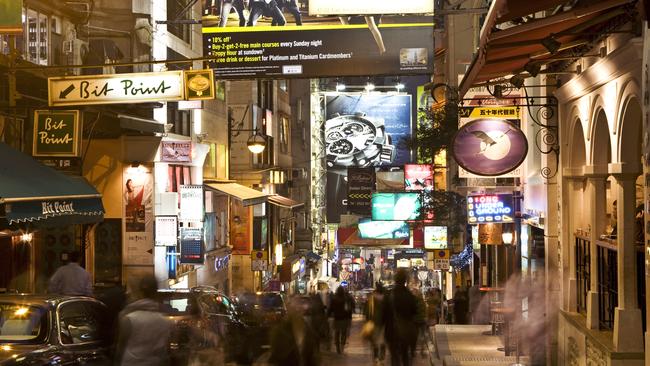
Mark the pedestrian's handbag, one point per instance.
(368, 330)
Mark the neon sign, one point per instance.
(489, 208)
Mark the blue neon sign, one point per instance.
(488, 208)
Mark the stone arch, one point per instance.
(577, 149)
(600, 144)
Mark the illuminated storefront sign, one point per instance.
(435, 237)
(418, 177)
(396, 206)
(490, 208)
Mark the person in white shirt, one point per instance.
(71, 279)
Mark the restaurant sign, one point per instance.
(490, 208)
(116, 88)
(176, 152)
(56, 133)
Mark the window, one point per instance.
(582, 249)
(82, 322)
(177, 175)
(266, 157)
(265, 94)
(283, 85)
(21, 323)
(285, 134)
(11, 131)
(607, 285)
(180, 119)
(175, 11)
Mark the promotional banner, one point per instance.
(418, 177)
(138, 215)
(490, 208)
(277, 39)
(191, 245)
(362, 130)
(369, 7)
(56, 133)
(361, 183)
(435, 237)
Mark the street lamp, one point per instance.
(256, 143)
(507, 238)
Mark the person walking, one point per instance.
(293, 340)
(461, 305)
(340, 311)
(71, 279)
(400, 310)
(420, 322)
(374, 313)
(144, 332)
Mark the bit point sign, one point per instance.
(116, 88)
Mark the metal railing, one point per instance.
(607, 283)
(582, 257)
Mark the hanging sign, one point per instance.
(56, 133)
(191, 203)
(166, 233)
(115, 88)
(199, 84)
(487, 208)
(490, 234)
(489, 147)
(176, 151)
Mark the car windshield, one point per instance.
(19, 323)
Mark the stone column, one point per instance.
(570, 209)
(628, 332)
(596, 180)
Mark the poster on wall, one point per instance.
(137, 201)
(277, 39)
(390, 180)
(361, 183)
(362, 130)
(176, 151)
(191, 246)
(191, 203)
(166, 231)
(435, 237)
(241, 225)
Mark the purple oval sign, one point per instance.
(489, 147)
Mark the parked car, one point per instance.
(205, 321)
(261, 311)
(53, 330)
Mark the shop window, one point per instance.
(285, 134)
(38, 31)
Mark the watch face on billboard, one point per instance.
(418, 177)
(435, 237)
(400, 206)
(490, 208)
(369, 229)
(489, 147)
(284, 38)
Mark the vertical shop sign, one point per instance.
(138, 215)
(56, 133)
(361, 183)
(192, 245)
(191, 203)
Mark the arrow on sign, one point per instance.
(68, 90)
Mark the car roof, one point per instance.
(39, 299)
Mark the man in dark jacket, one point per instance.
(400, 309)
(293, 341)
(341, 309)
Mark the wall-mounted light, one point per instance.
(26, 237)
(517, 81)
(278, 254)
(507, 238)
(256, 143)
(340, 86)
(370, 86)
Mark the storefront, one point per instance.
(45, 215)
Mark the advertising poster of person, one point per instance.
(138, 215)
(271, 38)
(418, 177)
(241, 225)
(362, 130)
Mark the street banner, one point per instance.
(290, 42)
(116, 88)
(56, 133)
(361, 183)
(361, 131)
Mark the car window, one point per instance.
(82, 322)
(20, 323)
(215, 304)
(176, 303)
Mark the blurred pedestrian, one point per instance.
(350, 307)
(340, 310)
(474, 298)
(318, 317)
(461, 305)
(400, 309)
(144, 332)
(374, 313)
(420, 321)
(293, 341)
(115, 299)
(434, 302)
(71, 279)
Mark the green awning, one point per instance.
(33, 193)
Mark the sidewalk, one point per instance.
(468, 345)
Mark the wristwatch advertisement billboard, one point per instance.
(361, 131)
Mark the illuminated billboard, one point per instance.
(369, 7)
(369, 229)
(490, 208)
(435, 237)
(396, 206)
(418, 177)
(279, 39)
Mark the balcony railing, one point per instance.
(607, 283)
(582, 255)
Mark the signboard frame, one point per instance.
(185, 234)
(157, 226)
(502, 198)
(76, 129)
